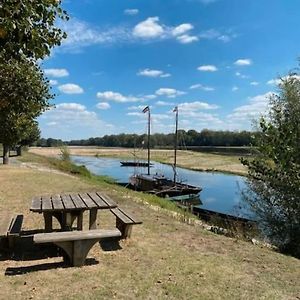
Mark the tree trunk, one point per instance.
(19, 151)
(5, 154)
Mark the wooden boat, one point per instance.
(187, 200)
(159, 184)
(134, 164)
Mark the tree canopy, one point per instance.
(24, 95)
(274, 175)
(28, 28)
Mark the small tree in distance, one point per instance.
(274, 175)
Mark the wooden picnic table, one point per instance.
(67, 207)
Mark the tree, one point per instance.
(24, 95)
(274, 175)
(31, 135)
(28, 32)
(27, 28)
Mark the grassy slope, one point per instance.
(164, 259)
(187, 159)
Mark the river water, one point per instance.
(221, 192)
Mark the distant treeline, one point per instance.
(186, 138)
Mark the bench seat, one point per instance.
(10, 227)
(76, 244)
(124, 221)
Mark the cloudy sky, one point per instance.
(217, 60)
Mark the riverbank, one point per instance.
(196, 161)
(165, 258)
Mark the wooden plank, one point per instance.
(88, 201)
(5, 223)
(79, 204)
(36, 204)
(130, 216)
(108, 200)
(100, 203)
(75, 235)
(67, 202)
(119, 214)
(16, 225)
(46, 203)
(57, 202)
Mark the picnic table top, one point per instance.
(73, 201)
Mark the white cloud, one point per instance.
(53, 82)
(56, 72)
(149, 97)
(182, 29)
(70, 106)
(131, 11)
(243, 62)
(117, 97)
(153, 73)
(254, 83)
(150, 28)
(196, 106)
(168, 92)
(71, 88)
(234, 88)
(212, 34)
(186, 39)
(164, 103)
(73, 120)
(103, 105)
(82, 34)
(202, 87)
(278, 81)
(137, 107)
(208, 68)
(240, 75)
(257, 106)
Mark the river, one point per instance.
(221, 192)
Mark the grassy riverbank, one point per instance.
(186, 159)
(164, 259)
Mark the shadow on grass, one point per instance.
(110, 245)
(13, 271)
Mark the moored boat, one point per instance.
(159, 184)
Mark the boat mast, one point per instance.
(149, 132)
(147, 109)
(176, 143)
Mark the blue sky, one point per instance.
(217, 60)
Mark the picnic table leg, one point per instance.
(48, 221)
(80, 220)
(93, 218)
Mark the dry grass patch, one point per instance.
(165, 259)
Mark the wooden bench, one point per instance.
(124, 222)
(10, 227)
(76, 244)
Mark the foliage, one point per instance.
(65, 153)
(24, 96)
(31, 135)
(28, 27)
(274, 176)
(189, 138)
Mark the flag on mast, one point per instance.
(175, 109)
(147, 108)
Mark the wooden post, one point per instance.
(93, 218)
(80, 220)
(48, 222)
(5, 154)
